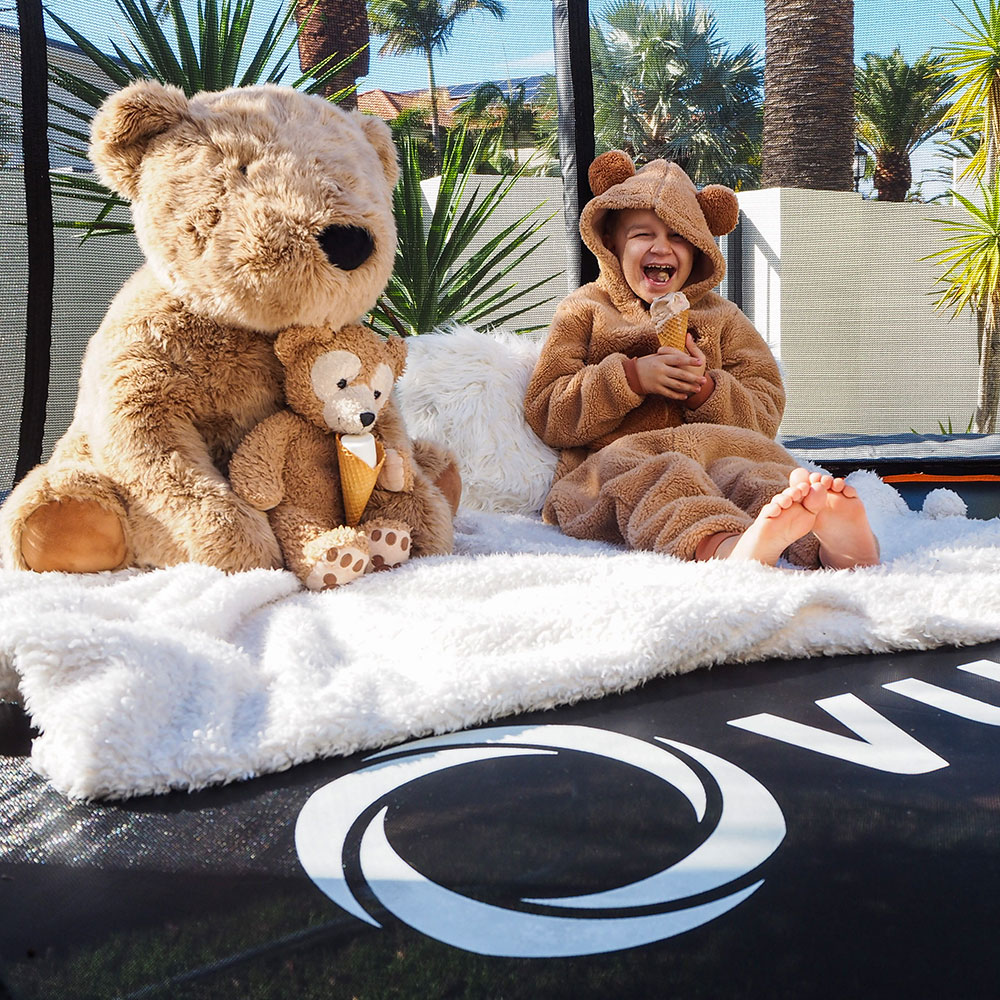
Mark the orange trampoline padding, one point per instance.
(929, 477)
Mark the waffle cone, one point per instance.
(673, 332)
(357, 480)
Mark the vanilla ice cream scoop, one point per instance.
(670, 314)
(362, 445)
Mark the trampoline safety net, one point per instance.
(832, 272)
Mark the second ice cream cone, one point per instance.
(357, 479)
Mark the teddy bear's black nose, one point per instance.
(346, 247)
(367, 418)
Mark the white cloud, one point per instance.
(544, 62)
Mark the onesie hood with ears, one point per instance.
(699, 216)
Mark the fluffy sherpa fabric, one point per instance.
(467, 389)
(699, 216)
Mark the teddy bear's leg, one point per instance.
(73, 522)
(320, 556)
(424, 508)
(441, 469)
(389, 543)
(337, 557)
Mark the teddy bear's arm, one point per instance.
(256, 471)
(395, 439)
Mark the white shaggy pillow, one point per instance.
(465, 389)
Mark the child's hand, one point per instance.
(701, 362)
(672, 373)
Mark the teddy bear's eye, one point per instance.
(377, 393)
(342, 384)
(243, 169)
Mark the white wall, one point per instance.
(87, 277)
(550, 258)
(837, 287)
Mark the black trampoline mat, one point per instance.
(884, 883)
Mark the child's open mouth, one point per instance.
(659, 272)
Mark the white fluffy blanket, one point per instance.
(179, 678)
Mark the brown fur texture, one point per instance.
(339, 382)
(258, 209)
(647, 470)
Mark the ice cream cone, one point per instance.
(670, 314)
(673, 333)
(357, 479)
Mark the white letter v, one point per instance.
(882, 745)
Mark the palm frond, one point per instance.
(439, 274)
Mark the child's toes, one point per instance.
(340, 564)
(815, 499)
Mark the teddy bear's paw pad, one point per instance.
(388, 547)
(340, 564)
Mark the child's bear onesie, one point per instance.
(646, 470)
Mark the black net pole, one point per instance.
(575, 92)
(41, 245)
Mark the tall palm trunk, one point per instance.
(808, 94)
(435, 120)
(893, 175)
(985, 418)
(337, 28)
(993, 131)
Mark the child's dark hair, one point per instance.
(610, 221)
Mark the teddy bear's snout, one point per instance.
(346, 247)
(367, 418)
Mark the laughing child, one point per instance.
(668, 448)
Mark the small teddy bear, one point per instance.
(336, 471)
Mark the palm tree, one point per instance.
(975, 63)
(424, 26)
(334, 30)
(666, 86)
(898, 108)
(972, 277)
(808, 86)
(505, 112)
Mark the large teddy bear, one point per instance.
(336, 470)
(257, 209)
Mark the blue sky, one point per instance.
(521, 44)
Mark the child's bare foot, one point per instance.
(786, 518)
(846, 539)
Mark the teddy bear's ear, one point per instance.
(124, 125)
(380, 136)
(396, 349)
(720, 208)
(609, 169)
(289, 342)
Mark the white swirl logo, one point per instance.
(748, 830)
